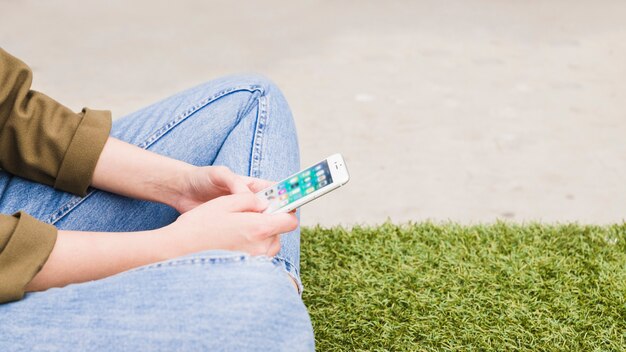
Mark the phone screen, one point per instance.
(300, 185)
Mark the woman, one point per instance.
(114, 267)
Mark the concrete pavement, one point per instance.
(460, 110)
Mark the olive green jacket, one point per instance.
(43, 141)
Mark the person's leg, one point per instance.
(208, 301)
(220, 122)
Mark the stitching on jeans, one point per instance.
(197, 260)
(291, 270)
(238, 259)
(151, 139)
(250, 105)
(257, 141)
(288, 265)
(255, 170)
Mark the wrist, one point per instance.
(160, 245)
(169, 242)
(169, 187)
(137, 173)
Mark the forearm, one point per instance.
(84, 256)
(235, 222)
(134, 172)
(127, 170)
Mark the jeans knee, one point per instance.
(265, 91)
(256, 81)
(265, 87)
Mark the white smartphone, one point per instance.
(304, 186)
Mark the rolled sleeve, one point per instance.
(42, 140)
(25, 244)
(79, 162)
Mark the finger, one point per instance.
(241, 202)
(232, 181)
(286, 222)
(264, 226)
(256, 184)
(274, 246)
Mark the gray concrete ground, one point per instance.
(448, 110)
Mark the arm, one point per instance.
(134, 172)
(82, 256)
(235, 224)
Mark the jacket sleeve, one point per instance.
(42, 140)
(25, 244)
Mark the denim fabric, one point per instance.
(213, 300)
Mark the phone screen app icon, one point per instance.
(304, 183)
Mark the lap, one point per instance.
(206, 301)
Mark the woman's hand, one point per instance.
(232, 222)
(201, 184)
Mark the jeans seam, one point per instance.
(295, 269)
(255, 170)
(155, 136)
(291, 270)
(197, 260)
(237, 259)
(259, 132)
(201, 260)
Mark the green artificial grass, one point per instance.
(446, 287)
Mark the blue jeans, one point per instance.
(213, 300)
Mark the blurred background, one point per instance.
(467, 111)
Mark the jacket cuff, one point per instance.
(24, 254)
(80, 159)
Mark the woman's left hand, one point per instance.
(202, 184)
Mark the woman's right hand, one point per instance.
(233, 222)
